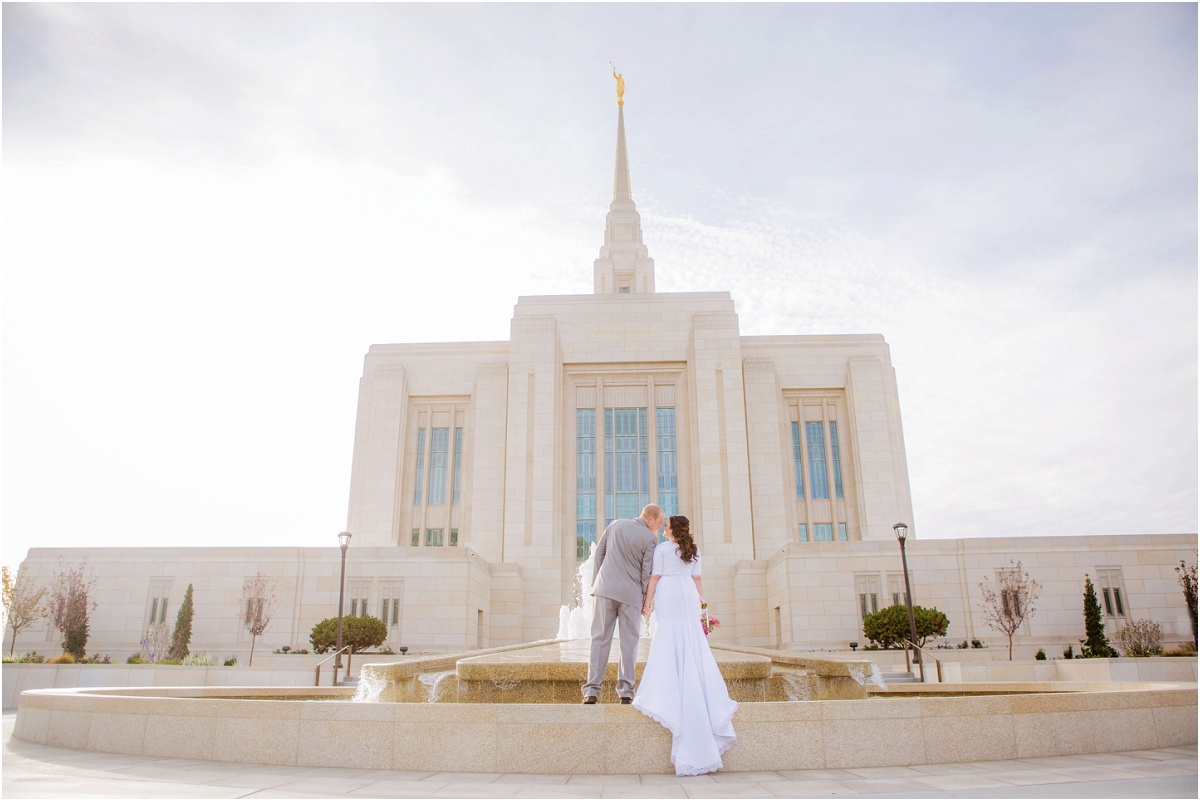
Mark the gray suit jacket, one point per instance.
(624, 557)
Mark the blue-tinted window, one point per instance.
(626, 463)
(585, 481)
(668, 478)
(458, 444)
(818, 479)
(420, 465)
(439, 451)
(837, 459)
(798, 460)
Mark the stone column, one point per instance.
(880, 466)
(483, 500)
(532, 536)
(767, 432)
(377, 471)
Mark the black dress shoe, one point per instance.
(591, 699)
(626, 700)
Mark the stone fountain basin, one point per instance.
(555, 671)
(237, 725)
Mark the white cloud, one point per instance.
(212, 211)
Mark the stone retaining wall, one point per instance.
(551, 738)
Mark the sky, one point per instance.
(211, 211)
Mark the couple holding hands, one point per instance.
(681, 686)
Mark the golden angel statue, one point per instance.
(620, 85)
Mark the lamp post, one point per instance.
(901, 530)
(344, 542)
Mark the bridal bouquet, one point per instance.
(709, 624)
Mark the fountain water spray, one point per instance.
(370, 688)
(575, 622)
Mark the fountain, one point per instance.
(552, 672)
(516, 709)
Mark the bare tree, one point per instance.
(24, 603)
(1011, 603)
(259, 599)
(156, 643)
(71, 605)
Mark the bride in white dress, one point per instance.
(681, 686)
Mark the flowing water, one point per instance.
(433, 684)
(873, 677)
(797, 686)
(370, 688)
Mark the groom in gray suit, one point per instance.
(624, 556)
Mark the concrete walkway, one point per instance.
(40, 771)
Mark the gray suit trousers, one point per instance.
(608, 614)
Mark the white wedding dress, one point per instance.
(682, 687)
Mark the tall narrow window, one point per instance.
(585, 482)
(1111, 586)
(668, 478)
(160, 590)
(420, 466)
(626, 463)
(837, 460)
(1010, 603)
(390, 604)
(416, 537)
(439, 447)
(803, 532)
(359, 592)
(458, 466)
(866, 587)
(818, 479)
(453, 536)
(798, 459)
(842, 536)
(823, 532)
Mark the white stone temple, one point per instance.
(482, 471)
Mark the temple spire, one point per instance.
(624, 266)
(621, 188)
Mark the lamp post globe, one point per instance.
(343, 543)
(901, 530)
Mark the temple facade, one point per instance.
(483, 472)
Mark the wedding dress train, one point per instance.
(682, 687)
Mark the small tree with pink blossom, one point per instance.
(259, 599)
(71, 606)
(1011, 603)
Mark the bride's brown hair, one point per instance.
(681, 530)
